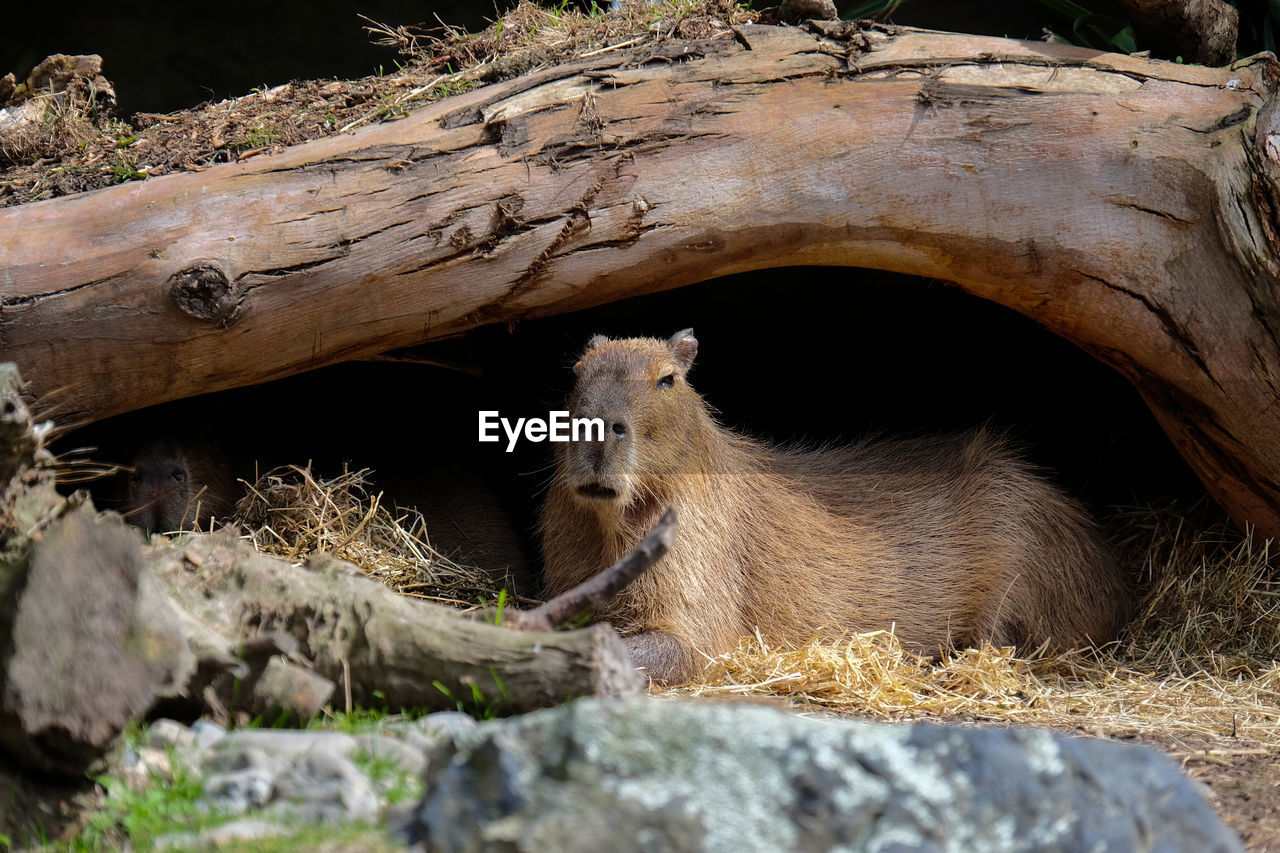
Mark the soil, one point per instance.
(1242, 781)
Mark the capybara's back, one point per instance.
(1033, 566)
(947, 541)
(178, 483)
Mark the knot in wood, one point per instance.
(203, 292)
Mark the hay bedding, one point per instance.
(1201, 659)
(292, 514)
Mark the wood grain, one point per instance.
(1127, 204)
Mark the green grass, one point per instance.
(478, 705)
(128, 818)
(258, 137)
(143, 816)
(396, 784)
(126, 169)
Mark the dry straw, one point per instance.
(292, 514)
(1200, 659)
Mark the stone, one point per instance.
(642, 774)
(425, 732)
(206, 733)
(411, 759)
(288, 743)
(247, 829)
(238, 791)
(165, 733)
(141, 768)
(241, 778)
(326, 787)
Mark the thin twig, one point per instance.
(598, 589)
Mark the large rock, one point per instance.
(657, 775)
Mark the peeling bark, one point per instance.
(1129, 205)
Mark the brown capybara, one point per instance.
(946, 541)
(177, 484)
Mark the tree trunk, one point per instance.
(1129, 205)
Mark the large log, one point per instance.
(1129, 205)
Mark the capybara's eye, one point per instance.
(667, 381)
(178, 475)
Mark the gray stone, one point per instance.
(409, 758)
(240, 778)
(165, 733)
(157, 763)
(648, 774)
(133, 771)
(424, 733)
(446, 723)
(231, 758)
(207, 733)
(289, 743)
(324, 786)
(237, 791)
(248, 829)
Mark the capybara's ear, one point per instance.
(596, 340)
(685, 347)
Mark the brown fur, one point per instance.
(178, 485)
(948, 541)
(466, 520)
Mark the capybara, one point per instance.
(946, 541)
(178, 484)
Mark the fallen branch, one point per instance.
(569, 606)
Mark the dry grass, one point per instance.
(530, 35)
(1201, 659)
(291, 514)
(82, 149)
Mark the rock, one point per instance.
(289, 743)
(425, 732)
(207, 733)
(141, 768)
(325, 787)
(247, 829)
(241, 778)
(156, 761)
(646, 774)
(807, 10)
(410, 759)
(165, 733)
